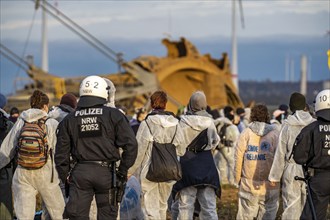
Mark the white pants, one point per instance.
(293, 192)
(154, 198)
(206, 198)
(224, 161)
(261, 207)
(27, 184)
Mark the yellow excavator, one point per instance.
(183, 71)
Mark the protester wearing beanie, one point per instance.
(224, 153)
(70, 100)
(228, 111)
(67, 105)
(14, 113)
(284, 168)
(297, 102)
(285, 108)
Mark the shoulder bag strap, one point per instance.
(148, 127)
(176, 128)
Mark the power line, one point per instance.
(83, 30)
(26, 42)
(93, 41)
(8, 53)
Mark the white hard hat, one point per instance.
(92, 91)
(322, 104)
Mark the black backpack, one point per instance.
(164, 165)
(224, 142)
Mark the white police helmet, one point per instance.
(93, 91)
(322, 104)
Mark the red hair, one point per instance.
(158, 100)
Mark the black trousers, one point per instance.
(89, 180)
(320, 191)
(6, 201)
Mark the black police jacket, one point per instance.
(95, 134)
(312, 146)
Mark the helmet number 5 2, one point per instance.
(87, 84)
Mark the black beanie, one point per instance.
(14, 110)
(283, 107)
(240, 111)
(297, 102)
(227, 110)
(70, 100)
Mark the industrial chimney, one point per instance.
(303, 78)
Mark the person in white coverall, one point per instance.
(67, 105)
(254, 154)
(163, 125)
(199, 174)
(28, 183)
(284, 168)
(224, 153)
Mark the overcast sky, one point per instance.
(155, 19)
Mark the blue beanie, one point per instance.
(3, 101)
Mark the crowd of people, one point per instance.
(85, 157)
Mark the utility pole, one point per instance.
(234, 67)
(291, 70)
(44, 57)
(303, 79)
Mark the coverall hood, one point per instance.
(32, 114)
(197, 123)
(58, 113)
(164, 121)
(299, 118)
(261, 128)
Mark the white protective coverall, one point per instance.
(224, 155)
(58, 114)
(27, 183)
(284, 168)
(191, 126)
(154, 194)
(254, 155)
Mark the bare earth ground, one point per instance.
(227, 206)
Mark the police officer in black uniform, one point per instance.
(312, 150)
(92, 135)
